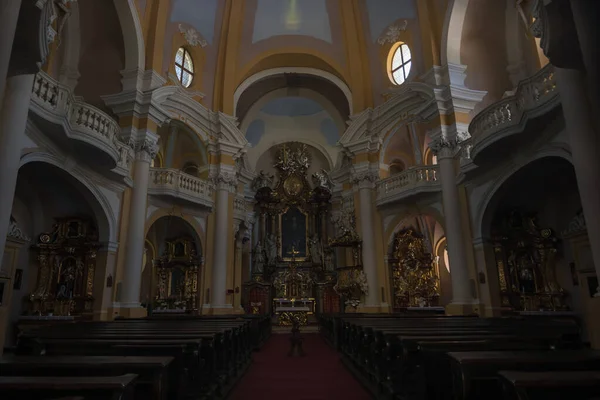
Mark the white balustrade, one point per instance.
(56, 102)
(409, 181)
(533, 97)
(176, 183)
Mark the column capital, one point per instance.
(445, 147)
(145, 150)
(226, 180)
(364, 179)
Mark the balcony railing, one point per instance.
(175, 183)
(414, 180)
(56, 103)
(533, 97)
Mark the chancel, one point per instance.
(412, 185)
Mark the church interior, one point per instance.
(301, 199)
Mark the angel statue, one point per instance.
(321, 179)
(271, 249)
(264, 179)
(316, 254)
(259, 258)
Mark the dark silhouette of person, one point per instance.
(296, 340)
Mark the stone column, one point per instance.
(146, 150)
(9, 14)
(446, 150)
(13, 120)
(584, 143)
(366, 184)
(225, 184)
(416, 144)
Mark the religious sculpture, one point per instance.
(321, 179)
(316, 253)
(259, 258)
(271, 249)
(264, 179)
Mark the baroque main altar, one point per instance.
(293, 267)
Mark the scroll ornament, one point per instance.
(192, 36)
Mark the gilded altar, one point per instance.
(526, 262)
(415, 282)
(66, 265)
(290, 250)
(176, 277)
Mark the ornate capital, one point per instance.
(225, 180)
(145, 150)
(444, 147)
(365, 179)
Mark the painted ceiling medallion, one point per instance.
(192, 36)
(392, 34)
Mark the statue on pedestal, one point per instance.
(316, 254)
(259, 258)
(271, 249)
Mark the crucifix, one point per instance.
(294, 253)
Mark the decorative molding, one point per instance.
(192, 36)
(14, 232)
(393, 32)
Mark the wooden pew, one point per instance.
(152, 373)
(475, 374)
(555, 385)
(215, 351)
(90, 388)
(386, 352)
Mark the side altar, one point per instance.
(292, 264)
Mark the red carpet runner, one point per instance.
(319, 375)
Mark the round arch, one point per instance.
(105, 217)
(310, 94)
(284, 70)
(133, 36)
(394, 225)
(481, 217)
(452, 31)
(167, 212)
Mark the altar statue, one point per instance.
(259, 258)
(329, 260)
(264, 179)
(316, 254)
(271, 249)
(321, 179)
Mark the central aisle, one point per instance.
(318, 375)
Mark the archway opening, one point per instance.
(172, 273)
(66, 226)
(530, 251)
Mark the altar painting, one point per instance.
(293, 234)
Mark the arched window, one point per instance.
(399, 63)
(184, 67)
(191, 169)
(396, 167)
